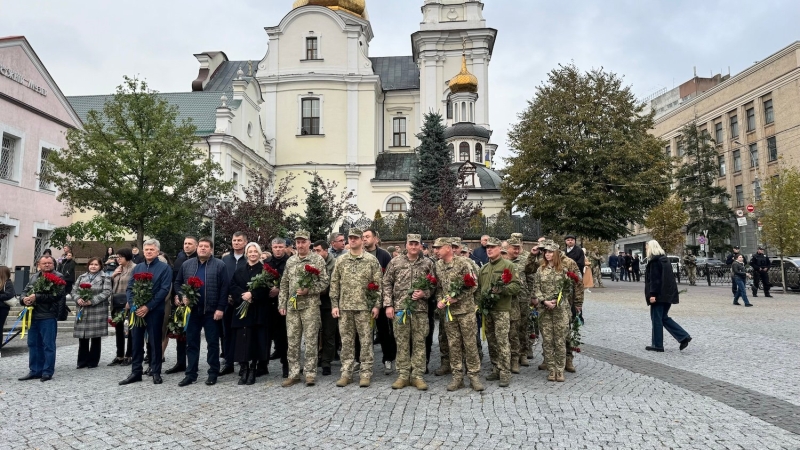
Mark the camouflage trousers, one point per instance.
(350, 324)
(302, 325)
(522, 328)
(554, 324)
(498, 327)
(461, 331)
(514, 344)
(692, 271)
(597, 275)
(410, 337)
(444, 346)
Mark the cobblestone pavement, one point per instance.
(616, 400)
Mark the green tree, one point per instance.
(583, 160)
(780, 213)
(400, 227)
(666, 222)
(378, 224)
(325, 207)
(135, 165)
(95, 229)
(503, 225)
(696, 178)
(433, 156)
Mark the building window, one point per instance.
(772, 149)
(8, 156)
(739, 195)
(753, 155)
(5, 245)
(46, 152)
(757, 190)
(668, 151)
(396, 204)
(478, 153)
(769, 113)
(751, 120)
(680, 149)
(452, 150)
(718, 132)
(734, 126)
(40, 244)
(310, 124)
(449, 108)
(737, 160)
(399, 134)
(721, 164)
(311, 48)
(463, 152)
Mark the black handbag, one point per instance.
(118, 301)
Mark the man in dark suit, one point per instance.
(613, 263)
(233, 261)
(189, 252)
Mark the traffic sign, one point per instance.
(739, 213)
(750, 208)
(701, 240)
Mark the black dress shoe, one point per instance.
(186, 381)
(157, 379)
(768, 296)
(261, 371)
(654, 349)
(737, 303)
(285, 371)
(274, 355)
(226, 370)
(175, 369)
(326, 371)
(685, 343)
(211, 381)
(116, 362)
(749, 304)
(79, 367)
(29, 376)
(148, 371)
(46, 378)
(131, 379)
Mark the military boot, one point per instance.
(514, 365)
(494, 376)
(457, 383)
(442, 370)
(568, 366)
(344, 381)
(552, 375)
(475, 381)
(419, 383)
(364, 382)
(401, 383)
(290, 382)
(560, 376)
(523, 361)
(543, 365)
(505, 379)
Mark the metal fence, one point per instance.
(722, 276)
(395, 227)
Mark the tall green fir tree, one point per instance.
(696, 179)
(316, 220)
(432, 158)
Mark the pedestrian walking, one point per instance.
(760, 264)
(661, 292)
(739, 275)
(613, 264)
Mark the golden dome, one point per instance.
(355, 7)
(464, 81)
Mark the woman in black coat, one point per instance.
(251, 333)
(661, 292)
(6, 293)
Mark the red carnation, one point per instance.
(312, 270)
(573, 277)
(53, 278)
(373, 286)
(469, 280)
(271, 271)
(143, 276)
(507, 276)
(194, 282)
(85, 286)
(431, 279)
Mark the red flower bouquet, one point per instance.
(268, 278)
(142, 294)
(84, 293)
(426, 283)
(191, 290)
(567, 284)
(308, 276)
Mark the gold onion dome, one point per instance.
(355, 7)
(464, 81)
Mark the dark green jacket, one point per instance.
(492, 272)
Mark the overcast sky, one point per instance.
(88, 45)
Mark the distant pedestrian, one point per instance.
(613, 264)
(760, 264)
(635, 268)
(661, 292)
(739, 275)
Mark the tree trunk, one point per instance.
(140, 237)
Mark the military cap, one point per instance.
(442, 241)
(736, 247)
(391, 249)
(413, 238)
(570, 236)
(493, 242)
(465, 248)
(455, 241)
(515, 241)
(517, 235)
(551, 246)
(355, 232)
(302, 234)
(542, 244)
(503, 250)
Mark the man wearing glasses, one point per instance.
(337, 245)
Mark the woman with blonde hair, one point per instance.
(550, 280)
(661, 292)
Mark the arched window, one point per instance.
(449, 108)
(452, 151)
(463, 152)
(396, 204)
(478, 153)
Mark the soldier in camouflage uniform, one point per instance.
(410, 329)
(531, 266)
(498, 321)
(519, 324)
(597, 261)
(302, 315)
(576, 306)
(457, 245)
(461, 328)
(690, 261)
(354, 270)
(554, 313)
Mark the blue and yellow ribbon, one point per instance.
(560, 293)
(24, 318)
(186, 314)
(447, 310)
(79, 315)
(402, 314)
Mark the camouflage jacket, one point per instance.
(400, 275)
(349, 281)
(531, 266)
(548, 284)
(690, 260)
(455, 271)
(491, 272)
(524, 295)
(576, 299)
(295, 266)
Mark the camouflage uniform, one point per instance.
(462, 329)
(498, 322)
(519, 320)
(597, 261)
(531, 266)
(302, 321)
(410, 333)
(575, 301)
(690, 261)
(554, 322)
(349, 294)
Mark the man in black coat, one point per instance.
(760, 264)
(575, 253)
(277, 322)
(661, 292)
(729, 261)
(189, 252)
(233, 260)
(613, 264)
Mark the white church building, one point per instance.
(320, 101)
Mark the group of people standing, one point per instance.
(628, 264)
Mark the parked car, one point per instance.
(791, 267)
(711, 264)
(605, 271)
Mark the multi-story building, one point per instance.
(34, 119)
(754, 121)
